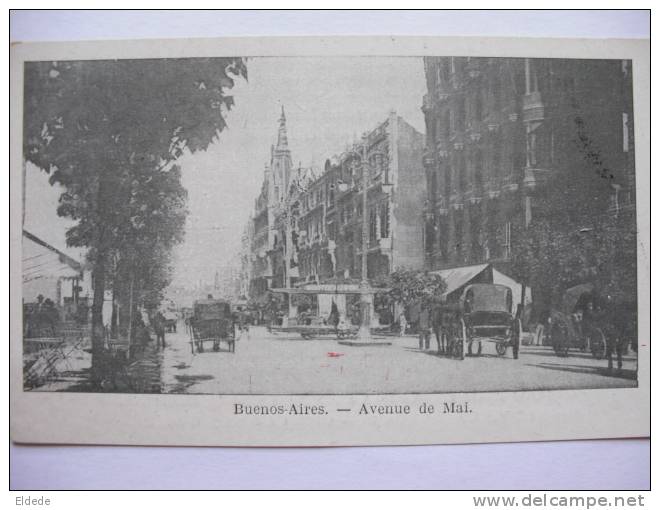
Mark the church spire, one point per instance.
(282, 142)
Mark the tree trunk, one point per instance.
(114, 319)
(98, 330)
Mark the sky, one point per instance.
(328, 102)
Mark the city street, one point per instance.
(284, 364)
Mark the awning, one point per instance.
(40, 260)
(457, 277)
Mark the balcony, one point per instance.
(456, 201)
(442, 93)
(385, 243)
(533, 108)
(509, 183)
(475, 131)
(472, 68)
(441, 149)
(535, 178)
(428, 159)
(427, 103)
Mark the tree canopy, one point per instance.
(408, 286)
(109, 132)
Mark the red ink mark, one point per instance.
(335, 354)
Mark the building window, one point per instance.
(447, 124)
(496, 91)
(507, 239)
(626, 132)
(385, 221)
(531, 78)
(497, 156)
(478, 168)
(478, 106)
(458, 228)
(462, 171)
(373, 220)
(446, 69)
(552, 146)
(532, 144)
(460, 114)
(625, 67)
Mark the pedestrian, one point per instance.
(333, 318)
(159, 329)
(244, 327)
(403, 323)
(424, 328)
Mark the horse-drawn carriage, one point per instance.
(483, 313)
(212, 321)
(579, 323)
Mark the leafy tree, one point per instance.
(573, 237)
(154, 218)
(408, 286)
(102, 129)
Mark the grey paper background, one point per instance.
(577, 464)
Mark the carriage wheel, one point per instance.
(500, 347)
(598, 343)
(200, 347)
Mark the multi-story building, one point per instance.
(498, 130)
(266, 269)
(246, 259)
(307, 222)
(327, 212)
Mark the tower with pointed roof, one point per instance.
(280, 162)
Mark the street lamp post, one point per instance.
(366, 291)
(366, 296)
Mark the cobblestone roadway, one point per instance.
(271, 364)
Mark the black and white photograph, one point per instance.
(328, 225)
(254, 242)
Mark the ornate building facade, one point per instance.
(266, 268)
(329, 211)
(499, 129)
(307, 222)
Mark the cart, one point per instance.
(482, 314)
(578, 324)
(212, 322)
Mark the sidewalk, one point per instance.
(143, 372)
(140, 375)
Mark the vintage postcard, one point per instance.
(330, 241)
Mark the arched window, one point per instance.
(434, 186)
